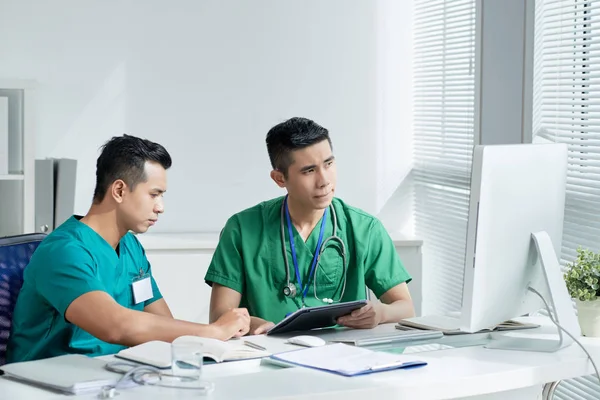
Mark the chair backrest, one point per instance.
(15, 253)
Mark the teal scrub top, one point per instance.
(249, 259)
(70, 262)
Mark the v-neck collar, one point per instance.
(312, 239)
(99, 239)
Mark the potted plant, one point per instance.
(583, 282)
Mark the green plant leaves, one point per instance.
(583, 276)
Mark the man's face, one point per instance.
(140, 208)
(312, 176)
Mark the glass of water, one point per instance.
(186, 359)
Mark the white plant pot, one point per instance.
(588, 313)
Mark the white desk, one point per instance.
(451, 374)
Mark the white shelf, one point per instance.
(12, 177)
(17, 197)
(210, 240)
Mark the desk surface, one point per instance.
(452, 373)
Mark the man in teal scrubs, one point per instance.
(248, 268)
(89, 288)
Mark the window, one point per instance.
(444, 90)
(566, 109)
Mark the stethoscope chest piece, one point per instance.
(289, 290)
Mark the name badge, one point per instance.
(142, 290)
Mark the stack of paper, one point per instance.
(74, 373)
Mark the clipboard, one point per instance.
(346, 360)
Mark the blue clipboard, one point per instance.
(354, 356)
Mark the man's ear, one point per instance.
(278, 178)
(117, 190)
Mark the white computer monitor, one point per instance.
(514, 235)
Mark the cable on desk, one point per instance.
(565, 331)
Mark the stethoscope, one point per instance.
(290, 290)
(148, 375)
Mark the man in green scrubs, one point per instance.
(248, 268)
(89, 288)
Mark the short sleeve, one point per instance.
(227, 264)
(68, 275)
(156, 294)
(383, 267)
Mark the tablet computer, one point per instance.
(315, 317)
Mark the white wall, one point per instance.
(208, 79)
(394, 95)
(394, 202)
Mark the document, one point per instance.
(347, 360)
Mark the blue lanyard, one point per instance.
(293, 246)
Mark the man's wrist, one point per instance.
(382, 310)
(215, 331)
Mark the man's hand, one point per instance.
(234, 323)
(258, 326)
(366, 317)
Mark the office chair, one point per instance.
(15, 253)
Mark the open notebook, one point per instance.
(158, 353)
(449, 325)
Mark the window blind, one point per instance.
(444, 99)
(566, 109)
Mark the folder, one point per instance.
(3, 135)
(65, 176)
(44, 195)
(346, 360)
(55, 181)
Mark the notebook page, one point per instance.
(155, 353)
(240, 351)
(224, 351)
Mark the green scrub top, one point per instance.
(70, 262)
(249, 259)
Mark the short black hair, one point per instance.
(124, 157)
(294, 134)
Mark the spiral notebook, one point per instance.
(347, 360)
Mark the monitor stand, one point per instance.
(559, 301)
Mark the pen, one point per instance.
(254, 346)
